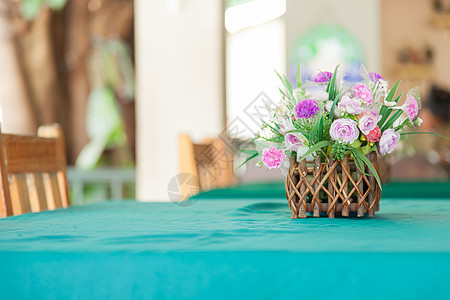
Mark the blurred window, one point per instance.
(255, 48)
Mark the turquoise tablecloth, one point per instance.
(226, 249)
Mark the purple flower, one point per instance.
(367, 122)
(374, 77)
(323, 77)
(307, 108)
(363, 92)
(272, 157)
(350, 105)
(344, 130)
(388, 141)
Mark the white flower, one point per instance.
(381, 89)
(319, 96)
(337, 111)
(266, 133)
(350, 105)
(389, 103)
(399, 121)
(299, 93)
(419, 121)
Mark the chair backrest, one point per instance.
(33, 172)
(210, 163)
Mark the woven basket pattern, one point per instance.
(334, 187)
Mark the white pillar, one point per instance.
(180, 84)
(17, 115)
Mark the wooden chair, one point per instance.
(209, 163)
(33, 172)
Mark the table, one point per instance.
(226, 249)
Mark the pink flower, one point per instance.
(350, 105)
(388, 141)
(272, 157)
(363, 92)
(344, 130)
(411, 108)
(374, 135)
(367, 122)
(293, 141)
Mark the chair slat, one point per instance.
(32, 193)
(19, 194)
(55, 189)
(15, 198)
(40, 190)
(210, 163)
(62, 186)
(48, 191)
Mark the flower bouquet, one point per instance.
(326, 134)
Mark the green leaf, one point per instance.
(392, 92)
(277, 139)
(90, 154)
(246, 151)
(435, 134)
(299, 76)
(335, 100)
(305, 133)
(271, 127)
(385, 113)
(314, 132)
(315, 147)
(366, 149)
(359, 164)
(104, 127)
(391, 121)
(398, 98)
(383, 109)
(358, 154)
(356, 144)
(56, 4)
(389, 97)
(286, 84)
(30, 8)
(248, 159)
(320, 129)
(331, 87)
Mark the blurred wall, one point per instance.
(361, 17)
(180, 84)
(409, 24)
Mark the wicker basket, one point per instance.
(336, 188)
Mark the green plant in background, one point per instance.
(111, 75)
(31, 8)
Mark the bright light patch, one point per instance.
(253, 13)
